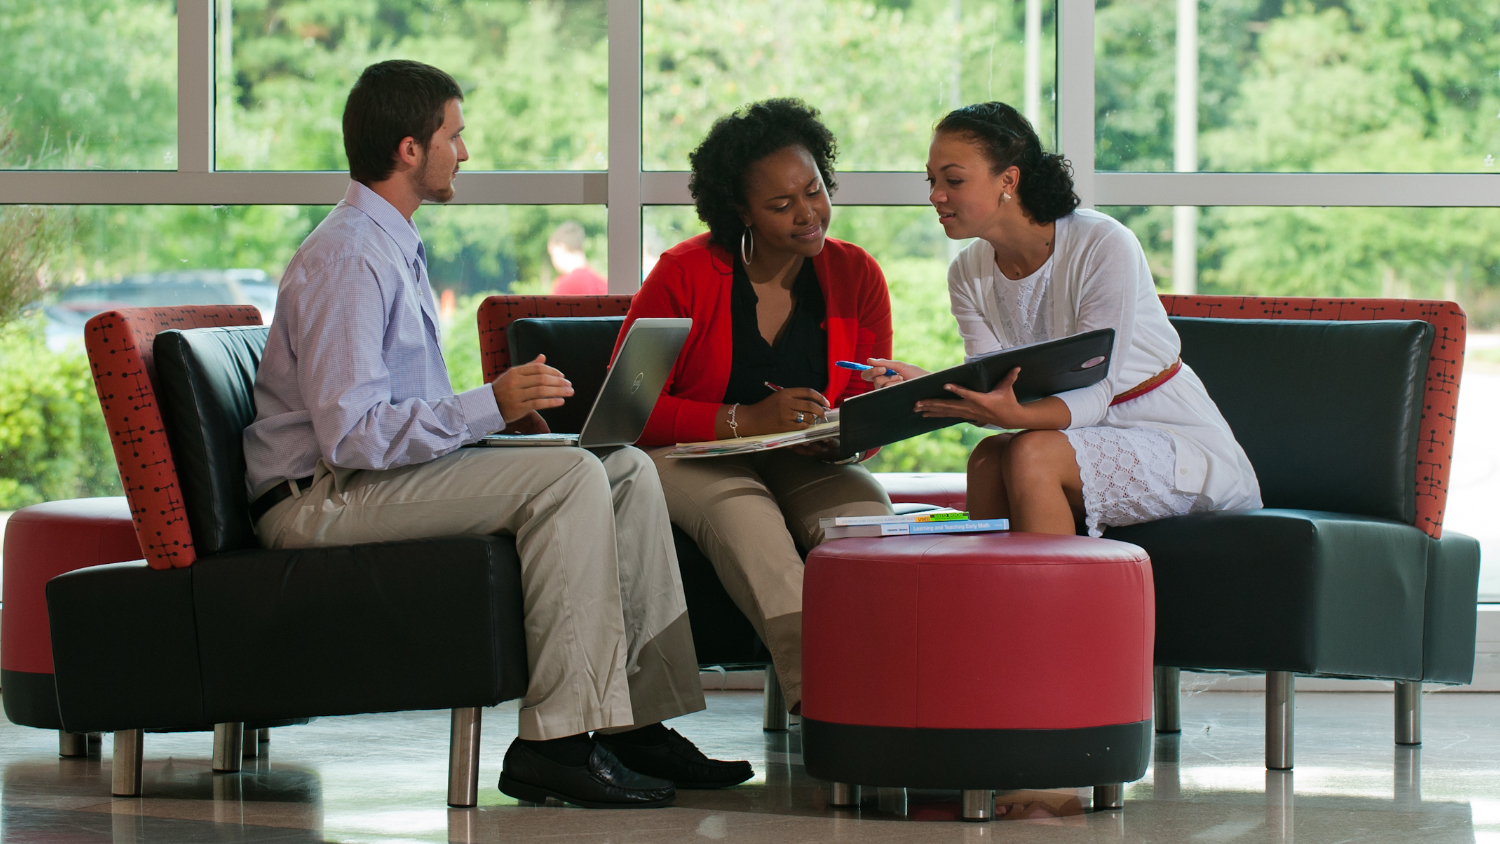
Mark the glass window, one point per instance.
(1326, 87)
(913, 253)
(1423, 253)
(881, 72)
(88, 86)
(534, 75)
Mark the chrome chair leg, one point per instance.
(1408, 712)
(263, 735)
(775, 719)
(72, 745)
(1281, 706)
(229, 740)
(979, 804)
(843, 795)
(1168, 699)
(1109, 797)
(126, 777)
(463, 758)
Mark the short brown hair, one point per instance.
(569, 235)
(392, 101)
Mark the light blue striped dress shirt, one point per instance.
(353, 373)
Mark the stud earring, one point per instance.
(1005, 197)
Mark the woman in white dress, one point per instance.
(1145, 443)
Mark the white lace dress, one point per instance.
(1127, 472)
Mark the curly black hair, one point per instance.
(1007, 139)
(738, 140)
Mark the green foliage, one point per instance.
(704, 59)
(1300, 86)
(102, 74)
(53, 442)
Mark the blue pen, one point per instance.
(859, 367)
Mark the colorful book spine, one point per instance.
(965, 526)
(910, 518)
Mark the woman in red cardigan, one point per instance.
(773, 301)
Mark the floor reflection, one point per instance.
(382, 778)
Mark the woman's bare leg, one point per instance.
(986, 495)
(1042, 483)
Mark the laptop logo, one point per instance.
(636, 384)
(1090, 363)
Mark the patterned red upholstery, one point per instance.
(1440, 410)
(497, 312)
(119, 347)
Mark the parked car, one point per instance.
(66, 316)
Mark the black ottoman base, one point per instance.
(975, 759)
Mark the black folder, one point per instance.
(885, 416)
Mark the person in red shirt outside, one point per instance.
(774, 301)
(577, 278)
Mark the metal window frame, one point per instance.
(626, 188)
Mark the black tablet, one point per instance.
(885, 416)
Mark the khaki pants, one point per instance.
(607, 635)
(749, 514)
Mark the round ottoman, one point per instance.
(41, 542)
(978, 662)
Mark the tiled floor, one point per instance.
(381, 778)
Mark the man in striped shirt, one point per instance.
(358, 435)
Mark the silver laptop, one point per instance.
(629, 393)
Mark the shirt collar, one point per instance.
(385, 215)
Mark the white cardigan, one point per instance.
(1100, 279)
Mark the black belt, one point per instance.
(275, 495)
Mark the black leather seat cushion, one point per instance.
(425, 624)
(259, 636)
(205, 379)
(1452, 612)
(1288, 590)
(1327, 412)
(579, 347)
(124, 648)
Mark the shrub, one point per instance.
(53, 441)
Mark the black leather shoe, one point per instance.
(602, 783)
(678, 760)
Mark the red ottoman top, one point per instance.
(985, 631)
(41, 542)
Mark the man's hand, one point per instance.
(878, 376)
(529, 387)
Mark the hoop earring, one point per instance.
(747, 254)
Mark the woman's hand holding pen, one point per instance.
(791, 409)
(883, 373)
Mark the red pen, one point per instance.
(773, 386)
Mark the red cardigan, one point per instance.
(694, 278)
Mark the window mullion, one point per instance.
(195, 86)
(624, 146)
(1075, 92)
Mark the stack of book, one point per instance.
(930, 521)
